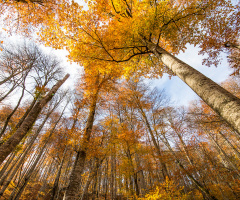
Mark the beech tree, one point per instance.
(142, 143)
(159, 27)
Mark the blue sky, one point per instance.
(180, 93)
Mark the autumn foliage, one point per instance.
(112, 135)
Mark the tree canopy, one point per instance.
(114, 136)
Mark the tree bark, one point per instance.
(75, 177)
(25, 114)
(158, 150)
(220, 100)
(16, 138)
(204, 190)
(56, 181)
(33, 166)
(92, 174)
(14, 110)
(8, 181)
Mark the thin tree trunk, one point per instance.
(99, 182)
(56, 181)
(133, 171)
(158, 150)
(219, 99)
(75, 177)
(14, 110)
(141, 175)
(105, 181)
(31, 170)
(92, 174)
(16, 138)
(199, 185)
(237, 153)
(10, 91)
(113, 169)
(10, 159)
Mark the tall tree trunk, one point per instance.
(141, 175)
(6, 165)
(236, 152)
(16, 138)
(31, 170)
(133, 171)
(158, 150)
(14, 110)
(221, 101)
(198, 184)
(99, 179)
(76, 174)
(56, 181)
(92, 174)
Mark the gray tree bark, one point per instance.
(158, 150)
(75, 177)
(220, 100)
(56, 181)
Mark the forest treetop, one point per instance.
(109, 34)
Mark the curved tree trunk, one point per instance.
(16, 138)
(220, 100)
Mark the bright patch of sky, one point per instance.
(179, 92)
